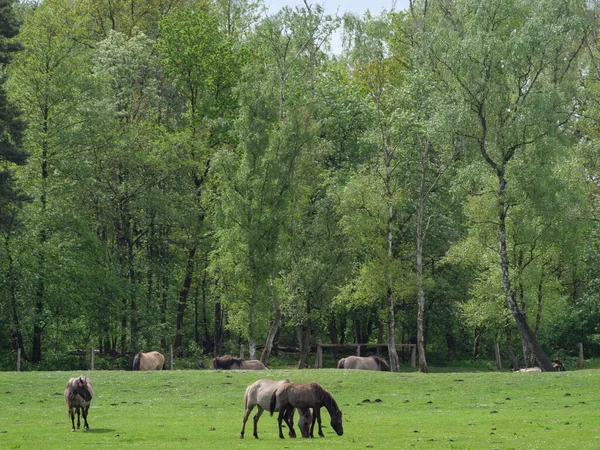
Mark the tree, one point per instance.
(508, 68)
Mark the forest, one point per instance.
(206, 174)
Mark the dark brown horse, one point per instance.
(78, 396)
(259, 394)
(363, 363)
(230, 363)
(302, 396)
(149, 361)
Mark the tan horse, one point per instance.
(302, 396)
(230, 363)
(363, 363)
(148, 361)
(78, 395)
(259, 394)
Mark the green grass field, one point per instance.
(204, 409)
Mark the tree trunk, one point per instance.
(304, 341)
(420, 289)
(271, 337)
(527, 335)
(182, 303)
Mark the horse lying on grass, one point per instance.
(230, 363)
(78, 396)
(259, 394)
(302, 396)
(363, 363)
(148, 361)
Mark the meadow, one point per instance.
(204, 409)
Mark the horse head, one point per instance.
(336, 422)
(82, 388)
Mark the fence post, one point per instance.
(171, 357)
(580, 359)
(319, 357)
(241, 351)
(498, 359)
(413, 355)
(91, 358)
(358, 350)
(19, 359)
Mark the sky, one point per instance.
(354, 6)
(342, 6)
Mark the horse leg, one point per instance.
(246, 414)
(78, 417)
(72, 417)
(256, 417)
(289, 419)
(85, 414)
(317, 416)
(279, 420)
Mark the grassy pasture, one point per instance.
(204, 409)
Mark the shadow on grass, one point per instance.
(100, 430)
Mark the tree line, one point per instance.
(205, 174)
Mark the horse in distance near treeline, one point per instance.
(302, 396)
(148, 361)
(78, 395)
(259, 394)
(363, 363)
(230, 363)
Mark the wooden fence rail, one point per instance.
(320, 346)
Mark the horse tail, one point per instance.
(273, 403)
(341, 363)
(136, 361)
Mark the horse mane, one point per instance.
(381, 363)
(325, 398)
(136, 361)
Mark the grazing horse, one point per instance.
(302, 396)
(230, 363)
(148, 361)
(363, 363)
(78, 396)
(259, 394)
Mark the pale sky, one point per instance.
(354, 6)
(341, 6)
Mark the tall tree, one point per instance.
(508, 66)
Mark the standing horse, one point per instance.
(302, 396)
(363, 363)
(230, 363)
(78, 396)
(148, 361)
(259, 394)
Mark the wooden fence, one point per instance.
(320, 346)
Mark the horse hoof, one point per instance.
(72, 430)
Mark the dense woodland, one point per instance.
(207, 174)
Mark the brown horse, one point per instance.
(230, 363)
(302, 396)
(363, 363)
(78, 396)
(148, 361)
(259, 394)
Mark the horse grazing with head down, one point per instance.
(148, 361)
(302, 396)
(363, 363)
(78, 396)
(259, 394)
(230, 363)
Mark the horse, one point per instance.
(302, 396)
(259, 394)
(78, 396)
(230, 363)
(363, 363)
(148, 361)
